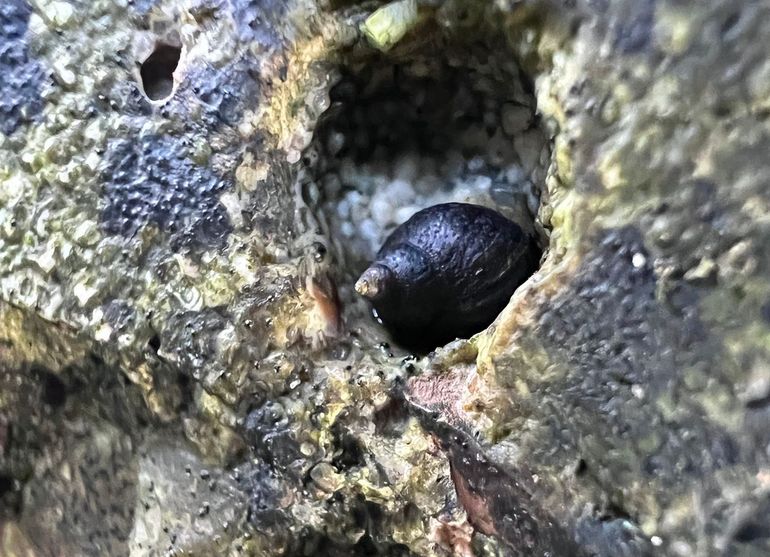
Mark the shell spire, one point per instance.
(373, 281)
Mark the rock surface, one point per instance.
(183, 371)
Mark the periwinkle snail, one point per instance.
(447, 272)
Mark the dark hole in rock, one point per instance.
(54, 390)
(758, 403)
(6, 484)
(450, 123)
(11, 498)
(154, 343)
(349, 452)
(320, 544)
(391, 419)
(752, 531)
(730, 22)
(183, 381)
(581, 468)
(614, 512)
(157, 71)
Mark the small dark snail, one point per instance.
(447, 272)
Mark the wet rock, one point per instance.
(181, 506)
(20, 91)
(152, 181)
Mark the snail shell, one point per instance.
(447, 272)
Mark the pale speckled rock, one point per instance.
(172, 481)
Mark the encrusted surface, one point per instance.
(20, 90)
(176, 373)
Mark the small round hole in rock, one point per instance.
(452, 123)
(157, 71)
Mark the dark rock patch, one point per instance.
(633, 34)
(258, 21)
(224, 93)
(151, 180)
(20, 101)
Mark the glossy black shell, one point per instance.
(455, 267)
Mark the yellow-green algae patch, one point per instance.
(390, 23)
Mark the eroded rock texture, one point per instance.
(184, 368)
